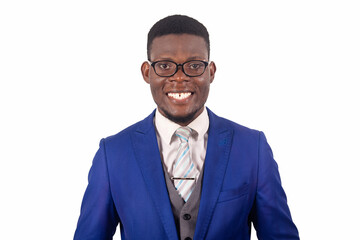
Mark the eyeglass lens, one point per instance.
(191, 68)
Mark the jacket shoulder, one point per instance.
(238, 129)
(124, 135)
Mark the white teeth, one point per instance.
(179, 96)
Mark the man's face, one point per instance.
(179, 98)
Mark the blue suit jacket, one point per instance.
(241, 184)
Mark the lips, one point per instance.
(179, 95)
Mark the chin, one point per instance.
(181, 118)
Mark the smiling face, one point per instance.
(180, 98)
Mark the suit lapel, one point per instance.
(217, 156)
(148, 157)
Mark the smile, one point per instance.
(179, 96)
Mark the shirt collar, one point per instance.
(166, 127)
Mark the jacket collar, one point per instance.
(148, 158)
(216, 160)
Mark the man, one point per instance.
(183, 172)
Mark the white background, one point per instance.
(70, 75)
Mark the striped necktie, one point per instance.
(184, 170)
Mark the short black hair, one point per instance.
(177, 24)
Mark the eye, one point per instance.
(164, 66)
(194, 66)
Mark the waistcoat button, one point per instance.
(186, 216)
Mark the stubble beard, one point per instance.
(181, 120)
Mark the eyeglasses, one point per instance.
(193, 68)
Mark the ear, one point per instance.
(145, 71)
(212, 68)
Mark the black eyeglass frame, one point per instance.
(177, 67)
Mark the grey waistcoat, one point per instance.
(185, 214)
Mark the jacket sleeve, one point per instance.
(98, 218)
(271, 214)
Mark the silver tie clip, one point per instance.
(182, 178)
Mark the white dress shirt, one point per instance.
(169, 143)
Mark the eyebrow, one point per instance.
(188, 59)
(195, 58)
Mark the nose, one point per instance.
(179, 75)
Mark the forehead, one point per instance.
(180, 47)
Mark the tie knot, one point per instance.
(183, 133)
